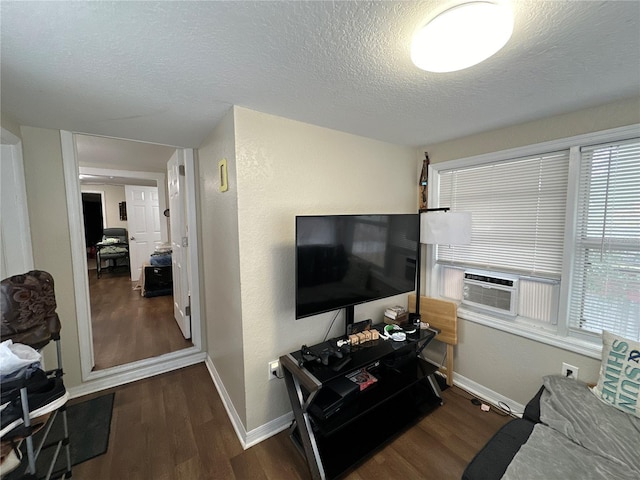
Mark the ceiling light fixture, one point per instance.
(462, 36)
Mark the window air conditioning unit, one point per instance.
(490, 292)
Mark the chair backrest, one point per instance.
(29, 309)
(116, 232)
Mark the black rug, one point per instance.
(89, 427)
(89, 424)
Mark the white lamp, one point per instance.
(445, 228)
(462, 36)
(438, 226)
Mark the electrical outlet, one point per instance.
(274, 369)
(569, 371)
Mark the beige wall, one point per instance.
(508, 364)
(221, 262)
(49, 223)
(113, 195)
(617, 114)
(278, 168)
(287, 168)
(8, 122)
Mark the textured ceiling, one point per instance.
(119, 154)
(167, 72)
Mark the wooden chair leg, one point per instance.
(449, 364)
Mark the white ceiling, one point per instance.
(118, 154)
(167, 72)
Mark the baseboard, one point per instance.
(134, 374)
(249, 438)
(269, 429)
(489, 396)
(257, 435)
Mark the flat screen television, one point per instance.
(346, 260)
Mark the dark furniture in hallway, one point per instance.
(113, 249)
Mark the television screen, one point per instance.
(345, 260)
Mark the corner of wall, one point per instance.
(11, 124)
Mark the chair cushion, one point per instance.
(29, 309)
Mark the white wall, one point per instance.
(508, 364)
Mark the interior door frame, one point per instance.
(21, 251)
(118, 375)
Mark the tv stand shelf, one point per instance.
(335, 439)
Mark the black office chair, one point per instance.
(114, 249)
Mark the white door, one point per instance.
(15, 234)
(179, 243)
(143, 224)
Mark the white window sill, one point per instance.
(537, 334)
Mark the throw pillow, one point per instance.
(619, 380)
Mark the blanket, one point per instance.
(580, 437)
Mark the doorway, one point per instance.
(127, 324)
(93, 219)
(134, 369)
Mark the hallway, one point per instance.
(127, 326)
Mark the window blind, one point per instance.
(605, 291)
(518, 208)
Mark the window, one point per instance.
(605, 292)
(571, 243)
(518, 209)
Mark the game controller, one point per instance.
(307, 356)
(328, 352)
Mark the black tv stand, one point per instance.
(336, 425)
(349, 316)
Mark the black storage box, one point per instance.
(158, 280)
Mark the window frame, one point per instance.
(583, 343)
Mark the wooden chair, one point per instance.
(443, 316)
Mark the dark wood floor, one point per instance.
(174, 426)
(127, 326)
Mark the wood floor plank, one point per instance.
(270, 455)
(127, 326)
(212, 451)
(248, 465)
(174, 426)
(385, 465)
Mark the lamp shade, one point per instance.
(445, 228)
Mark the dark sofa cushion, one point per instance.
(492, 461)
